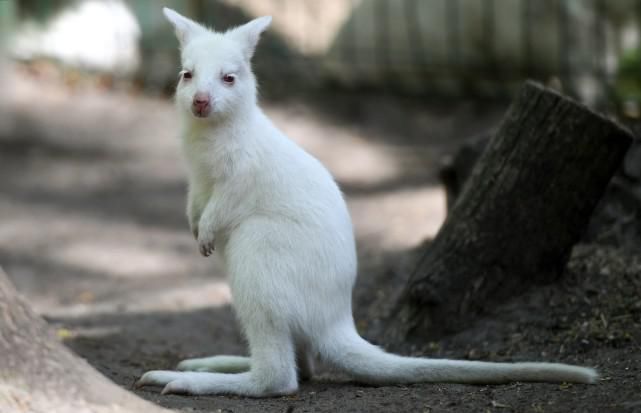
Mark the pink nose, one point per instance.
(201, 101)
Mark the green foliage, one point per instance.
(7, 16)
(627, 84)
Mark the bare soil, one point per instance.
(93, 233)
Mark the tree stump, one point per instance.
(526, 203)
(456, 169)
(38, 374)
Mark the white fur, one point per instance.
(279, 222)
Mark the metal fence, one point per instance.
(488, 46)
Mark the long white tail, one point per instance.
(369, 364)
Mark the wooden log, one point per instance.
(526, 203)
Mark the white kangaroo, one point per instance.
(279, 222)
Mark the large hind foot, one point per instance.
(273, 369)
(217, 364)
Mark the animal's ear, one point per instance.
(249, 33)
(186, 28)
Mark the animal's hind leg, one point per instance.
(218, 364)
(273, 368)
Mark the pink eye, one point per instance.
(187, 75)
(229, 79)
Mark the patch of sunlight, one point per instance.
(399, 219)
(199, 295)
(202, 294)
(351, 157)
(365, 163)
(118, 259)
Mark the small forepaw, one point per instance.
(206, 245)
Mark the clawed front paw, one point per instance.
(206, 244)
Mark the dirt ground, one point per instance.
(93, 233)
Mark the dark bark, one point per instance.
(39, 374)
(456, 169)
(525, 204)
(616, 220)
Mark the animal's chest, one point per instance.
(223, 170)
(197, 156)
(212, 160)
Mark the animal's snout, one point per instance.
(201, 103)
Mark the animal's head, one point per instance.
(216, 78)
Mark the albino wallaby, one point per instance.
(280, 224)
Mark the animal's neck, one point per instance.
(223, 148)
